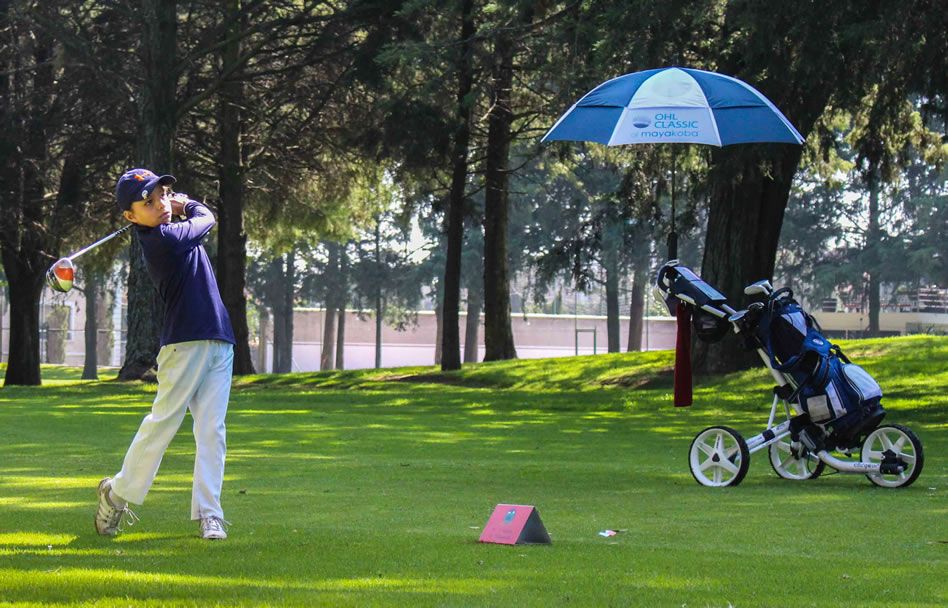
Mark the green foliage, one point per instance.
(385, 274)
(313, 207)
(331, 95)
(867, 201)
(370, 488)
(584, 208)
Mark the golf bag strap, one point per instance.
(839, 353)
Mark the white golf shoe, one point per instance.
(214, 528)
(109, 518)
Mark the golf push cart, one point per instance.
(832, 407)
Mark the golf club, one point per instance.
(60, 275)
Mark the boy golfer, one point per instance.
(195, 360)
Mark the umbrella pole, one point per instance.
(672, 235)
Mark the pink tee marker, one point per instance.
(515, 525)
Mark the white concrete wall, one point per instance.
(535, 336)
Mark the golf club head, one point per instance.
(60, 275)
(759, 288)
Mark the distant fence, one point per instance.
(932, 300)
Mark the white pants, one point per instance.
(192, 376)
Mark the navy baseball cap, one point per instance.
(137, 185)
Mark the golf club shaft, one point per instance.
(99, 242)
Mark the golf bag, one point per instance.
(830, 389)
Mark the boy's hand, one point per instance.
(177, 201)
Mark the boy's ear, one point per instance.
(129, 216)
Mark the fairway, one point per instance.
(370, 488)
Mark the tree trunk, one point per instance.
(145, 314)
(439, 332)
(3, 308)
(750, 187)
(341, 338)
(472, 326)
(612, 308)
(231, 238)
(341, 308)
(23, 363)
(613, 331)
(264, 321)
(326, 357)
(871, 253)
(288, 299)
(22, 245)
(90, 369)
(379, 311)
(450, 354)
(498, 335)
(640, 278)
(157, 123)
(277, 275)
(4, 11)
(800, 73)
(105, 340)
(379, 302)
(283, 269)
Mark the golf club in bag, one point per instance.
(60, 275)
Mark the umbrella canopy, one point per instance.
(678, 105)
(674, 105)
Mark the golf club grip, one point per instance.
(99, 242)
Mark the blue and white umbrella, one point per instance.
(674, 105)
(678, 105)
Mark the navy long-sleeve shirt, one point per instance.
(181, 270)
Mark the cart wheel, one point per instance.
(894, 441)
(788, 465)
(719, 457)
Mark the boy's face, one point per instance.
(151, 212)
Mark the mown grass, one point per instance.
(370, 488)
